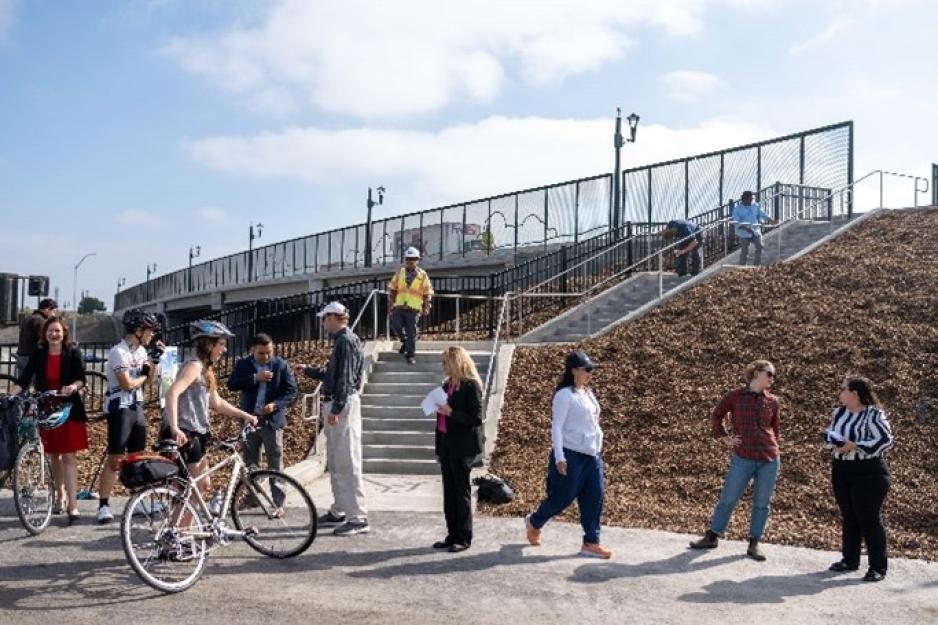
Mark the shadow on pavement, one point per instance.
(679, 563)
(769, 588)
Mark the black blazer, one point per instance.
(463, 428)
(73, 370)
(281, 390)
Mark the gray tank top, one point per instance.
(192, 409)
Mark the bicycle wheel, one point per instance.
(96, 392)
(279, 509)
(32, 488)
(166, 554)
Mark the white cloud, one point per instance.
(835, 28)
(462, 162)
(211, 214)
(689, 85)
(377, 60)
(135, 217)
(7, 17)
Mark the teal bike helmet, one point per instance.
(209, 328)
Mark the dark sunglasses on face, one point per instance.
(771, 374)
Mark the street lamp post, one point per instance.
(151, 269)
(121, 282)
(371, 204)
(193, 253)
(251, 237)
(75, 294)
(618, 141)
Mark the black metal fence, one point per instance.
(554, 214)
(685, 187)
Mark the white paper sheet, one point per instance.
(436, 397)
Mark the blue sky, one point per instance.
(136, 129)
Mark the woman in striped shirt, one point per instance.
(858, 437)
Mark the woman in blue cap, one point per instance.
(575, 470)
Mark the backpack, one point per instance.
(139, 470)
(493, 489)
(11, 412)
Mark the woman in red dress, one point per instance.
(56, 366)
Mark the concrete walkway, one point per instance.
(79, 576)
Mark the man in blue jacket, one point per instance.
(267, 389)
(747, 219)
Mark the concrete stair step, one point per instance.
(408, 377)
(398, 365)
(412, 411)
(397, 437)
(399, 452)
(382, 401)
(400, 388)
(434, 357)
(424, 424)
(396, 466)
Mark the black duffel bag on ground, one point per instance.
(493, 490)
(139, 470)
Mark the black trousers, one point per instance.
(695, 256)
(457, 499)
(860, 487)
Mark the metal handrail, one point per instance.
(489, 375)
(728, 221)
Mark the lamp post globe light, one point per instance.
(615, 221)
(75, 294)
(151, 269)
(251, 236)
(371, 204)
(194, 251)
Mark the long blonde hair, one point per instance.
(461, 367)
(203, 351)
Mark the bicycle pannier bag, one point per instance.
(140, 470)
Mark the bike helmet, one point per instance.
(55, 418)
(135, 319)
(209, 328)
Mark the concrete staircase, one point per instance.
(397, 438)
(638, 294)
(606, 308)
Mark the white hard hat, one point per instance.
(412, 252)
(332, 308)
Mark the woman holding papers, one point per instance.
(458, 444)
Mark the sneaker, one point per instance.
(595, 550)
(754, 552)
(331, 519)
(873, 575)
(534, 534)
(709, 541)
(350, 528)
(411, 360)
(104, 514)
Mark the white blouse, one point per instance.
(575, 423)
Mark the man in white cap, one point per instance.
(341, 382)
(410, 295)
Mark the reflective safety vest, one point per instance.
(412, 295)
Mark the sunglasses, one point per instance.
(771, 374)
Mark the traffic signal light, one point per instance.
(39, 286)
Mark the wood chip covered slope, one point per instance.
(866, 302)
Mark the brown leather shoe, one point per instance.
(709, 541)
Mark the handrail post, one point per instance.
(881, 188)
(457, 316)
(375, 319)
(660, 274)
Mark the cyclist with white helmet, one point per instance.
(195, 392)
(128, 369)
(410, 295)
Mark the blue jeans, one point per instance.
(584, 482)
(741, 471)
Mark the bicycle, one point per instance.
(31, 479)
(168, 529)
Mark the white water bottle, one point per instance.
(215, 505)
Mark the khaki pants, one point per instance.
(344, 460)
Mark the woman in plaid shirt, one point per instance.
(753, 438)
